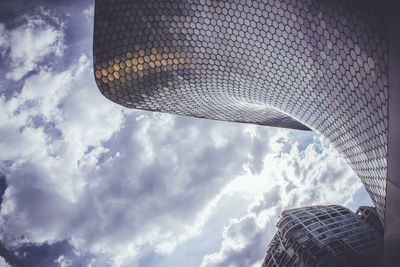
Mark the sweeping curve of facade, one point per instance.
(320, 65)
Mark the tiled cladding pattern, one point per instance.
(324, 63)
(324, 236)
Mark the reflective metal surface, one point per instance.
(300, 64)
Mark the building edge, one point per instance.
(392, 212)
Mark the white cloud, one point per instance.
(3, 40)
(124, 183)
(295, 178)
(62, 261)
(89, 12)
(3, 262)
(47, 130)
(110, 179)
(37, 37)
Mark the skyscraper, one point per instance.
(319, 65)
(324, 236)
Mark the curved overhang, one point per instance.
(320, 65)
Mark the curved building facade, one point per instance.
(324, 236)
(305, 64)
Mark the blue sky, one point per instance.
(90, 183)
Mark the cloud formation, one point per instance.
(37, 37)
(316, 175)
(85, 169)
(93, 183)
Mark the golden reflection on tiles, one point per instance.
(138, 62)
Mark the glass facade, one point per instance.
(370, 216)
(324, 236)
(320, 65)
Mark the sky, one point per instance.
(86, 182)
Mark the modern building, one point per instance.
(324, 236)
(370, 216)
(303, 64)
